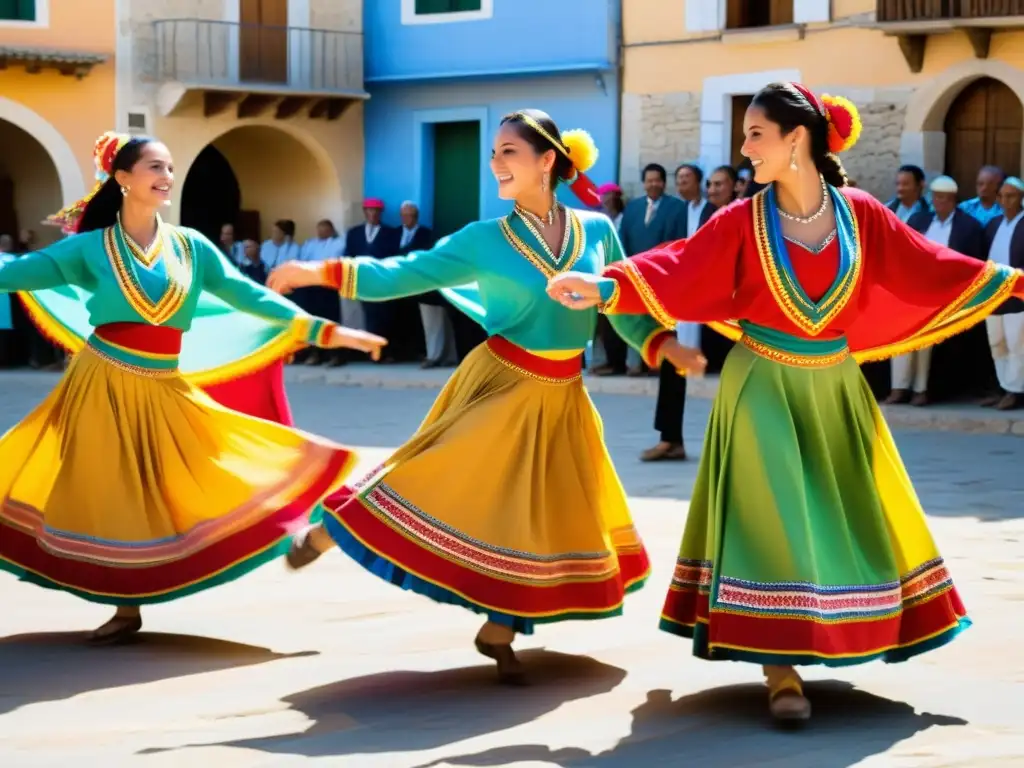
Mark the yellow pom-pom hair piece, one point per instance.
(844, 125)
(582, 150)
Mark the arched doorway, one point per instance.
(211, 196)
(983, 126)
(254, 175)
(30, 187)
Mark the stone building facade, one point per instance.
(688, 73)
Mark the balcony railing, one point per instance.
(946, 10)
(227, 54)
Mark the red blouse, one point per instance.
(899, 287)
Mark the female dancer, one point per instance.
(127, 485)
(805, 542)
(505, 501)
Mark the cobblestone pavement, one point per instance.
(336, 668)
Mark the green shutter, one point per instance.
(18, 10)
(442, 6)
(456, 176)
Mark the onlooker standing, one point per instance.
(647, 222)
(1005, 326)
(234, 250)
(252, 265)
(985, 207)
(909, 193)
(281, 247)
(372, 238)
(950, 228)
(438, 335)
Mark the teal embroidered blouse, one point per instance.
(497, 271)
(102, 277)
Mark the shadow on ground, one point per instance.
(729, 728)
(56, 666)
(418, 711)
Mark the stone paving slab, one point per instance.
(332, 667)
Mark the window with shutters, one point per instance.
(749, 14)
(445, 11)
(18, 10)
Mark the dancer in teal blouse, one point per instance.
(505, 501)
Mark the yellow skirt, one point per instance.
(127, 488)
(505, 501)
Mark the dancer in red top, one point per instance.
(805, 542)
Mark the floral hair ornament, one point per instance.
(578, 146)
(103, 155)
(844, 125)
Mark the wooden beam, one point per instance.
(290, 106)
(337, 108)
(217, 102)
(980, 39)
(255, 104)
(912, 47)
(319, 109)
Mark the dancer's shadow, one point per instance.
(59, 665)
(416, 711)
(729, 727)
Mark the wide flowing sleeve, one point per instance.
(642, 332)
(917, 293)
(223, 279)
(451, 262)
(692, 280)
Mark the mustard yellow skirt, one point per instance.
(504, 502)
(127, 488)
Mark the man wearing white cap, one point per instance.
(1005, 326)
(945, 225)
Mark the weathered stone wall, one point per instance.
(658, 128)
(665, 128)
(873, 161)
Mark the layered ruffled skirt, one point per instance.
(129, 486)
(805, 542)
(504, 502)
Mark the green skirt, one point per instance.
(805, 542)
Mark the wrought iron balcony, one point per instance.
(256, 65)
(913, 21)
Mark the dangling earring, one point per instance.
(125, 190)
(545, 182)
(792, 160)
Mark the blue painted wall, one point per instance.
(398, 122)
(522, 36)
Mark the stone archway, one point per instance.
(30, 183)
(279, 173)
(924, 138)
(69, 173)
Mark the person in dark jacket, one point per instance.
(942, 223)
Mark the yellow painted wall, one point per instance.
(299, 169)
(661, 56)
(682, 67)
(79, 109)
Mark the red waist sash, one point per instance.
(142, 337)
(518, 358)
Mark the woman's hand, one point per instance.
(575, 290)
(686, 360)
(350, 338)
(295, 274)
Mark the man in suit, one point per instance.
(946, 225)
(439, 343)
(1005, 240)
(372, 238)
(647, 222)
(671, 404)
